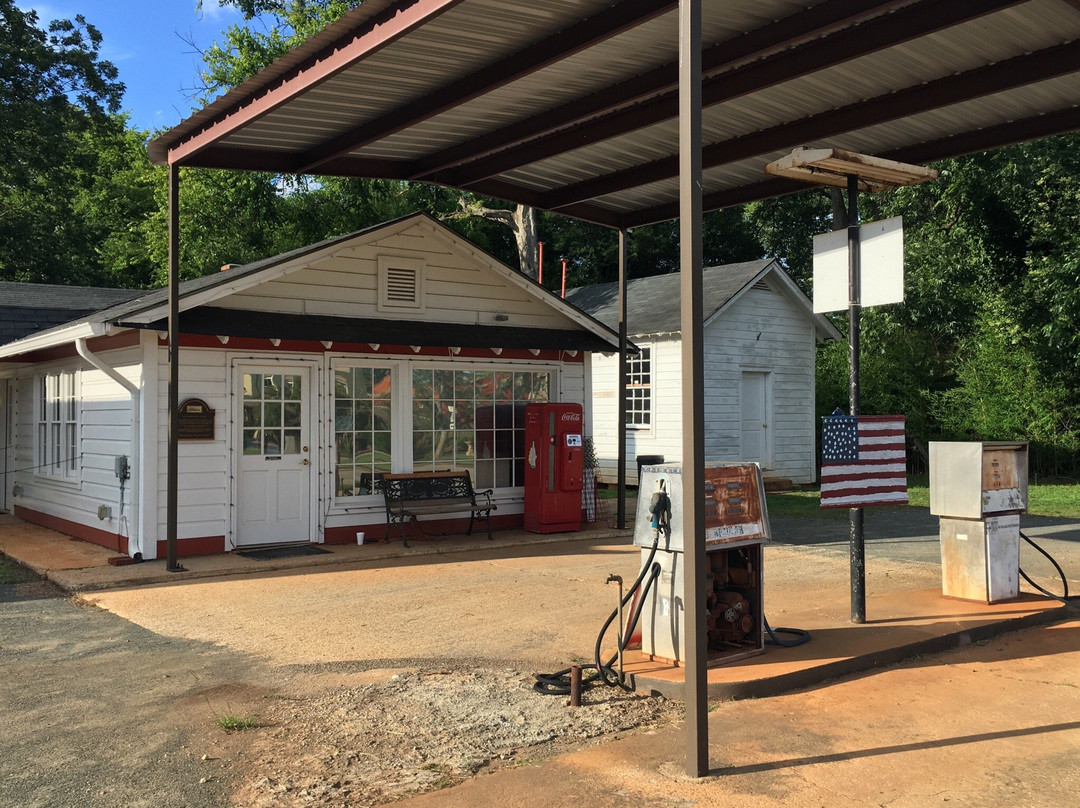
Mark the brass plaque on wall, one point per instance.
(196, 420)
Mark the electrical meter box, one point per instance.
(979, 489)
(736, 527)
(554, 467)
(973, 479)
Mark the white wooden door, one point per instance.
(756, 411)
(274, 474)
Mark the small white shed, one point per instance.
(760, 338)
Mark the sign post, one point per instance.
(853, 172)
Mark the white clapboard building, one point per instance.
(760, 338)
(303, 377)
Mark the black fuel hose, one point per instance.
(558, 683)
(1064, 598)
(801, 635)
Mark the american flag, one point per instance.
(863, 461)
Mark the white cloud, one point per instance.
(213, 10)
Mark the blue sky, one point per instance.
(145, 39)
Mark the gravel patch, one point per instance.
(414, 731)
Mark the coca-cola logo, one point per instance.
(571, 416)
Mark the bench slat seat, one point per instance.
(408, 495)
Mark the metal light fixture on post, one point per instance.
(854, 172)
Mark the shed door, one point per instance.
(756, 411)
(274, 480)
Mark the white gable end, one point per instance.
(416, 274)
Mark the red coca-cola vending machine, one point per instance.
(554, 466)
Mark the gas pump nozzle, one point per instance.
(660, 508)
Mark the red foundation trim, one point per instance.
(94, 535)
(456, 526)
(203, 545)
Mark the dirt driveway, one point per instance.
(360, 685)
(536, 606)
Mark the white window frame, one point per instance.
(639, 367)
(554, 382)
(396, 375)
(57, 425)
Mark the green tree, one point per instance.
(58, 104)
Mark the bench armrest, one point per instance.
(486, 494)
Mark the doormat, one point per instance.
(274, 553)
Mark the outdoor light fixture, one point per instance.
(327, 343)
(501, 318)
(224, 340)
(497, 351)
(275, 341)
(834, 166)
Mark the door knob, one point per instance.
(305, 462)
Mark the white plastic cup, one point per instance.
(360, 537)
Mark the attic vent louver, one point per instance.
(401, 283)
(401, 286)
(764, 287)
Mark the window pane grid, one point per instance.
(474, 420)
(639, 389)
(362, 429)
(57, 450)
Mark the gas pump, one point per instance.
(736, 528)
(979, 489)
(554, 467)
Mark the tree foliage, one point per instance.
(58, 104)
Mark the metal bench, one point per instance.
(409, 495)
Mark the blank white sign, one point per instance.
(881, 259)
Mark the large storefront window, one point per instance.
(474, 420)
(362, 436)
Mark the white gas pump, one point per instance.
(979, 489)
(736, 528)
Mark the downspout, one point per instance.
(135, 538)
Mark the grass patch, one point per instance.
(1045, 499)
(235, 723)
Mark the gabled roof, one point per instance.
(134, 309)
(26, 308)
(652, 303)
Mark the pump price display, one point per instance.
(733, 504)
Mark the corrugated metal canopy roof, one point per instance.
(570, 105)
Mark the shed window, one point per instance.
(57, 436)
(475, 420)
(362, 433)
(639, 389)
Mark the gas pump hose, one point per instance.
(1071, 602)
(558, 683)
